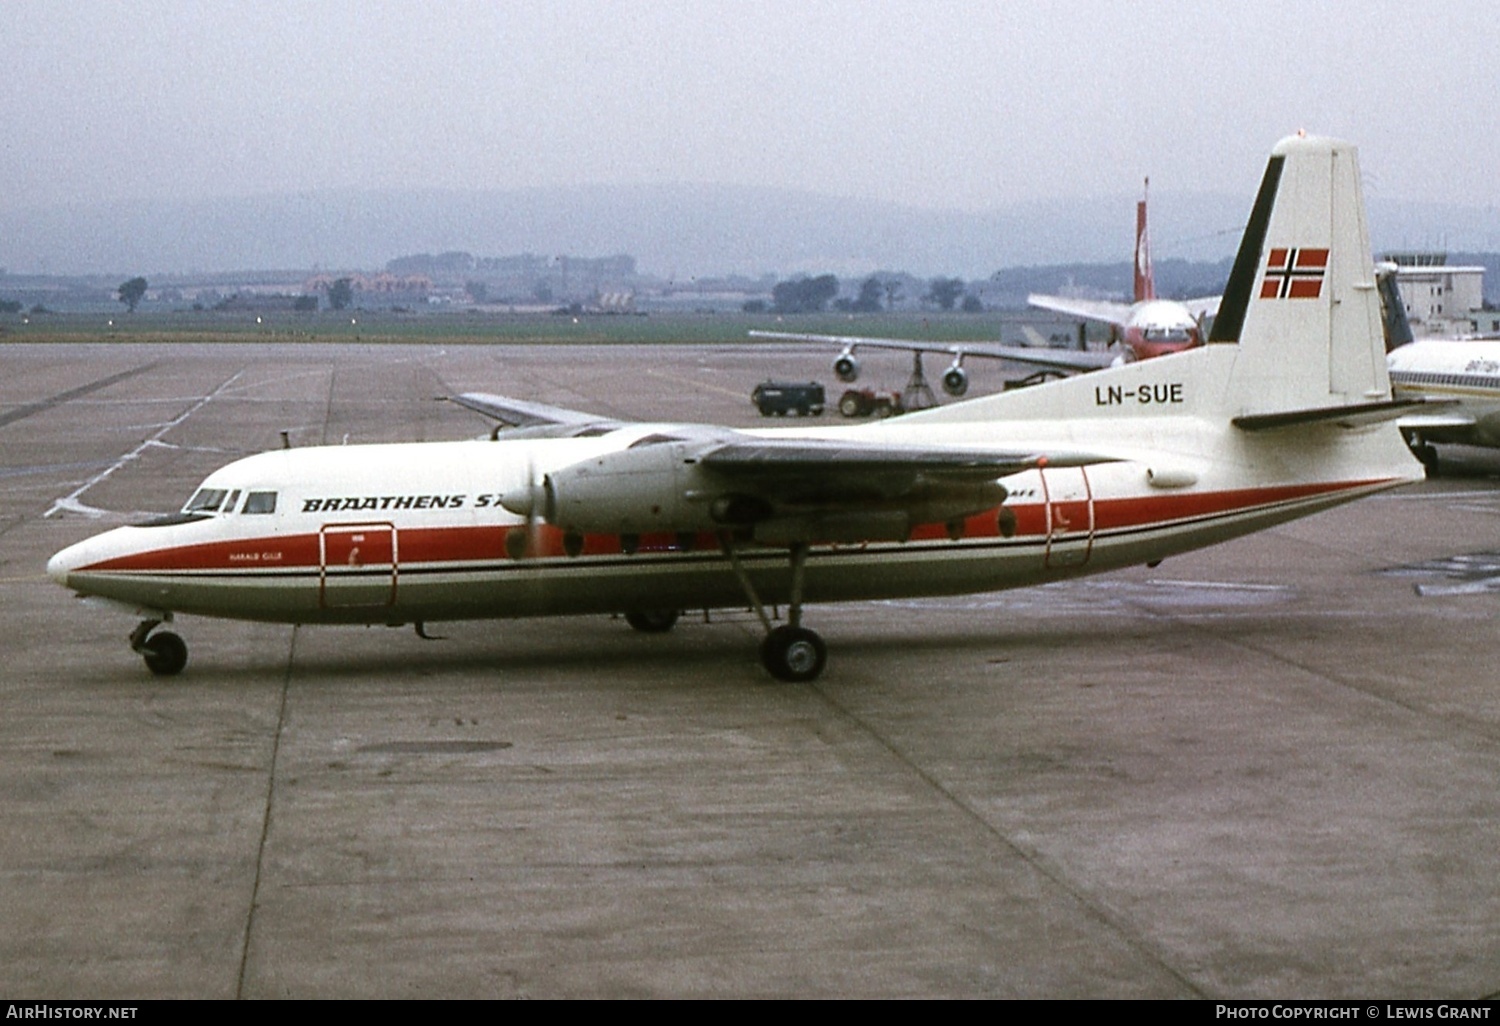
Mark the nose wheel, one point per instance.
(165, 653)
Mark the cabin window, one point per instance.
(208, 500)
(260, 502)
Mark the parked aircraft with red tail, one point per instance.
(1140, 330)
(1284, 412)
(1149, 326)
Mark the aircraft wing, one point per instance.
(1033, 356)
(1088, 309)
(522, 413)
(835, 463)
(782, 490)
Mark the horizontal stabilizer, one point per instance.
(1350, 415)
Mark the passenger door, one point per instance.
(1070, 516)
(358, 565)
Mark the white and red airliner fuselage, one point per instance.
(414, 533)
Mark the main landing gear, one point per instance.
(165, 653)
(793, 654)
(790, 652)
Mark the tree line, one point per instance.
(806, 294)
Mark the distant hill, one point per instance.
(679, 231)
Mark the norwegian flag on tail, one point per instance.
(1294, 274)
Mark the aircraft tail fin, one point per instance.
(1145, 277)
(1302, 304)
(1298, 336)
(1392, 308)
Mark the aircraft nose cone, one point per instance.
(63, 563)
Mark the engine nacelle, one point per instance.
(955, 381)
(846, 367)
(637, 491)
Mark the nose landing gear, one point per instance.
(165, 653)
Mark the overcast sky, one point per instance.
(962, 105)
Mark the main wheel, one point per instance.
(165, 654)
(793, 654)
(652, 621)
(850, 405)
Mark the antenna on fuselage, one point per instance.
(286, 439)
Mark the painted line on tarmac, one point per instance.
(22, 412)
(70, 503)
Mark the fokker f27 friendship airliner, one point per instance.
(1284, 411)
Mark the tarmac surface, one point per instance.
(1266, 770)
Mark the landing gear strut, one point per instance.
(917, 395)
(791, 652)
(165, 653)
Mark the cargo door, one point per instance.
(1070, 516)
(358, 565)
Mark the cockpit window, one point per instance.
(260, 502)
(1167, 335)
(208, 500)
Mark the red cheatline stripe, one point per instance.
(428, 545)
